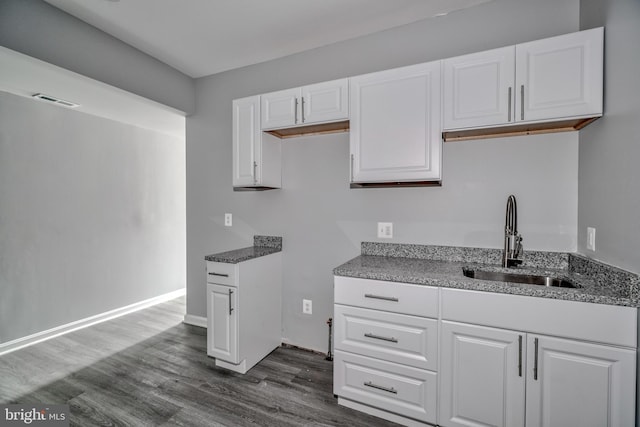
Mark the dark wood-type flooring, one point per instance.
(150, 369)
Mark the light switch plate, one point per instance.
(228, 220)
(385, 230)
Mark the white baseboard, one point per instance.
(190, 319)
(83, 323)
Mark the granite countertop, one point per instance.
(442, 266)
(262, 245)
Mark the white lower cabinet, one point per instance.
(221, 304)
(502, 377)
(422, 355)
(393, 387)
(482, 376)
(575, 383)
(386, 341)
(244, 311)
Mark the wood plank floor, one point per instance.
(150, 369)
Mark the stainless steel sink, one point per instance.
(530, 279)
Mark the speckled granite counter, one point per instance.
(262, 245)
(442, 266)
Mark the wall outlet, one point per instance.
(228, 220)
(385, 230)
(591, 238)
(307, 306)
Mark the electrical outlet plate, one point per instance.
(591, 238)
(228, 220)
(307, 306)
(385, 230)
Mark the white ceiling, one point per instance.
(203, 37)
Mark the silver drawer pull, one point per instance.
(219, 274)
(378, 337)
(394, 299)
(379, 387)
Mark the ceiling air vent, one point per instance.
(55, 100)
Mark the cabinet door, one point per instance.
(325, 102)
(395, 125)
(479, 89)
(482, 376)
(560, 76)
(281, 109)
(222, 323)
(572, 383)
(246, 141)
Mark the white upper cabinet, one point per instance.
(395, 125)
(325, 102)
(317, 103)
(545, 80)
(560, 76)
(280, 109)
(479, 89)
(256, 156)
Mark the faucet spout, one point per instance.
(512, 240)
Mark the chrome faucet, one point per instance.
(512, 241)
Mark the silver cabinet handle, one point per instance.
(303, 109)
(230, 308)
(379, 387)
(535, 359)
(522, 102)
(509, 111)
(255, 173)
(378, 337)
(218, 274)
(352, 168)
(520, 355)
(295, 113)
(394, 299)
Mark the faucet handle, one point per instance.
(518, 246)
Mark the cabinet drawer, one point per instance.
(398, 338)
(396, 388)
(405, 298)
(221, 273)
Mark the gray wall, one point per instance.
(609, 195)
(38, 29)
(322, 221)
(92, 215)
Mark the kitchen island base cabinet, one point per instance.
(244, 311)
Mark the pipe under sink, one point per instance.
(529, 279)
